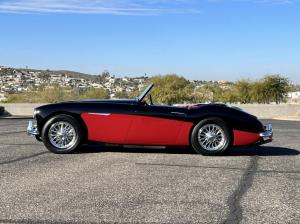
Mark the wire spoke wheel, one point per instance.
(211, 137)
(62, 135)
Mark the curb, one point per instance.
(287, 118)
(16, 117)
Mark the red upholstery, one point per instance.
(192, 106)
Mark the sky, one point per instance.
(198, 39)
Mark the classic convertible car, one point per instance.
(209, 129)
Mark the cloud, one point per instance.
(260, 1)
(117, 7)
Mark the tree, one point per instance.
(214, 93)
(171, 89)
(277, 87)
(229, 96)
(121, 95)
(259, 92)
(202, 94)
(49, 94)
(243, 90)
(93, 93)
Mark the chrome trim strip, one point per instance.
(178, 114)
(100, 114)
(32, 129)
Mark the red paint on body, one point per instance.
(244, 138)
(136, 129)
(184, 134)
(110, 128)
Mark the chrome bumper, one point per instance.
(267, 135)
(32, 129)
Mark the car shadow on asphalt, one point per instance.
(262, 151)
(135, 149)
(235, 151)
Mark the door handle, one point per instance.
(178, 114)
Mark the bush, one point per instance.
(54, 94)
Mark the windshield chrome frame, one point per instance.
(144, 94)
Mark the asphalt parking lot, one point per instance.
(134, 185)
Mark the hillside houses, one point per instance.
(14, 80)
(22, 80)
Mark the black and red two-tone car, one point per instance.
(209, 129)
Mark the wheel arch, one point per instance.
(223, 118)
(74, 115)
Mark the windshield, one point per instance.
(144, 94)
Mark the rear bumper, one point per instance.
(32, 129)
(267, 135)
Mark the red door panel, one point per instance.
(184, 134)
(109, 128)
(158, 131)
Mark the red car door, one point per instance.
(107, 127)
(158, 125)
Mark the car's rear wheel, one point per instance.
(62, 134)
(211, 136)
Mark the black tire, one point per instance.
(76, 140)
(225, 133)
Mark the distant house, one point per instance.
(294, 95)
(2, 97)
(96, 85)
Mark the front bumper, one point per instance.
(32, 129)
(267, 135)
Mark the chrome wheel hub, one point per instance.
(62, 135)
(211, 137)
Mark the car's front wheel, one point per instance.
(211, 136)
(62, 134)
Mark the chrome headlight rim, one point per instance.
(35, 112)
